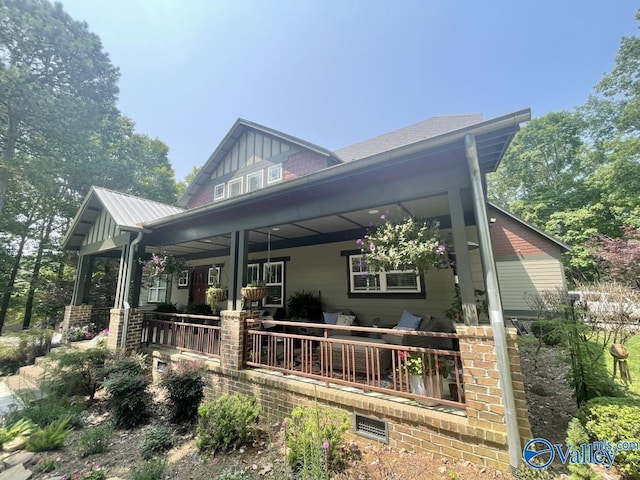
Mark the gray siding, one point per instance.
(103, 227)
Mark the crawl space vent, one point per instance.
(372, 428)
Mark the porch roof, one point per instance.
(128, 212)
(335, 202)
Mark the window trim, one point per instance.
(270, 169)
(215, 191)
(212, 277)
(156, 287)
(183, 278)
(382, 293)
(274, 284)
(259, 266)
(255, 175)
(230, 184)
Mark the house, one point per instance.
(270, 207)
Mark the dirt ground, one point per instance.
(550, 404)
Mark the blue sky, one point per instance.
(335, 72)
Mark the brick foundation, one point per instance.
(476, 433)
(116, 327)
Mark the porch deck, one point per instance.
(359, 364)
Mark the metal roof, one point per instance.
(405, 136)
(127, 211)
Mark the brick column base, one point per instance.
(75, 315)
(232, 333)
(116, 329)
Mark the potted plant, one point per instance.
(304, 305)
(414, 365)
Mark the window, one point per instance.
(235, 187)
(218, 193)
(254, 181)
(158, 289)
(183, 278)
(272, 274)
(274, 174)
(273, 277)
(213, 277)
(364, 280)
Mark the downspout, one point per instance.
(495, 304)
(127, 283)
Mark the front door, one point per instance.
(199, 286)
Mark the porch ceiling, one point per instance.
(343, 226)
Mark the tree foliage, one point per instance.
(576, 174)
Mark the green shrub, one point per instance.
(185, 386)
(614, 419)
(79, 372)
(313, 436)
(49, 438)
(11, 359)
(94, 440)
(92, 471)
(46, 410)
(129, 398)
(156, 440)
(198, 309)
(23, 427)
(551, 332)
(577, 435)
(233, 473)
(151, 470)
(227, 422)
(23, 348)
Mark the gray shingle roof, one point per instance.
(405, 136)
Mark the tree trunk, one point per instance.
(12, 280)
(44, 239)
(6, 160)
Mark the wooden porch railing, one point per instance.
(366, 365)
(182, 332)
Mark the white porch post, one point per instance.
(122, 276)
(463, 259)
(495, 303)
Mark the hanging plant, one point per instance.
(404, 245)
(162, 265)
(215, 295)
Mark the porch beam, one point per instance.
(360, 192)
(463, 259)
(106, 244)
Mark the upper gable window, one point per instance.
(235, 187)
(274, 173)
(218, 193)
(254, 181)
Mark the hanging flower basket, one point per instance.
(216, 295)
(404, 245)
(162, 265)
(253, 294)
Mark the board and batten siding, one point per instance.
(104, 227)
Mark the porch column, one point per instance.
(81, 286)
(495, 303)
(232, 328)
(463, 259)
(137, 279)
(122, 276)
(238, 268)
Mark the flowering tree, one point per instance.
(620, 257)
(406, 245)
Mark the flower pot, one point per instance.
(253, 294)
(420, 386)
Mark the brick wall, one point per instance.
(75, 315)
(511, 238)
(476, 433)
